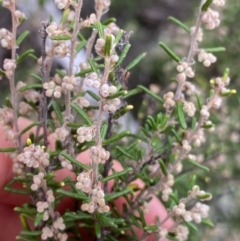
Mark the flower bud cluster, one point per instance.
(204, 112)
(69, 83)
(206, 58)
(7, 3)
(65, 163)
(61, 4)
(100, 44)
(9, 65)
(106, 90)
(7, 123)
(52, 89)
(49, 232)
(92, 20)
(82, 102)
(162, 234)
(92, 80)
(197, 193)
(61, 133)
(198, 138)
(98, 154)
(30, 95)
(37, 181)
(53, 30)
(86, 133)
(61, 49)
(169, 103)
(166, 187)
(85, 184)
(25, 108)
(184, 71)
(211, 19)
(102, 4)
(113, 28)
(20, 16)
(186, 146)
(6, 38)
(219, 3)
(111, 105)
(182, 233)
(189, 88)
(199, 33)
(34, 156)
(189, 108)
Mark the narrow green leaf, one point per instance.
(74, 161)
(215, 49)
(81, 37)
(123, 55)
(208, 222)
(176, 135)
(179, 23)
(180, 115)
(36, 123)
(149, 92)
(105, 221)
(60, 72)
(122, 111)
(80, 46)
(61, 37)
(72, 216)
(79, 195)
(2, 73)
(37, 77)
(23, 221)
(169, 52)
(164, 121)
(108, 45)
(194, 122)
(38, 219)
(114, 195)
(103, 131)
(206, 5)
(132, 92)
(198, 165)
(65, 16)
(167, 129)
(57, 111)
(86, 71)
(100, 29)
(8, 149)
(30, 87)
(93, 95)
(116, 175)
(205, 196)
(22, 36)
(25, 210)
(192, 182)
(31, 233)
(136, 61)
(163, 167)
(117, 94)
(125, 153)
(8, 103)
(93, 65)
(82, 113)
(24, 55)
(191, 226)
(199, 101)
(109, 20)
(118, 36)
(97, 230)
(152, 227)
(115, 138)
